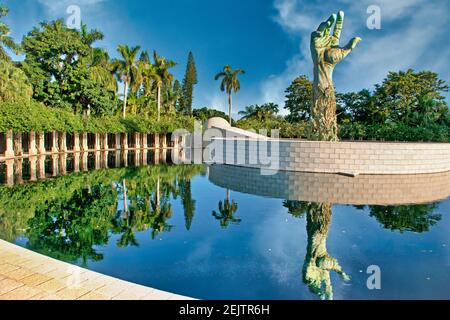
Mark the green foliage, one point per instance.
(412, 218)
(287, 129)
(14, 84)
(395, 132)
(189, 81)
(57, 61)
(33, 116)
(68, 216)
(299, 99)
(204, 114)
(68, 229)
(261, 113)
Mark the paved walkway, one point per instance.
(26, 275)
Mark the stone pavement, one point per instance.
(26, 275)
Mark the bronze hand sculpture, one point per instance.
(326, 54)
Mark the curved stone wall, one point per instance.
(333, 188)
(340, 157)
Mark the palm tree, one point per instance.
(162, 75)
(127, 69)
(89, 37)
(227, 209)
(101, 69)
(5, 40)
(230, 83)
(249, 112)
(261, 113)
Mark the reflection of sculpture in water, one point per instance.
(318, 263)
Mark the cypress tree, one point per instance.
(177, 90)
(189, 81)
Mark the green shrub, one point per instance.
(395, 132)
(33, 116)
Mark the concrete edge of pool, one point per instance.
(26, 275)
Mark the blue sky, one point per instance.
(267, 38)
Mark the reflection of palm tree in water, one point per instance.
(227, 209)
(318, 263)
(161, 212)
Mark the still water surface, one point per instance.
(217, 232)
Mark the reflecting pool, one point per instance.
(221, 232)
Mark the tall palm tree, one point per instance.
(89, 37)
(127, 69)
(163, 76)
(101, 69)
(5, 40)
(230, 83)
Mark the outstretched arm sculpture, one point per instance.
(326, 54)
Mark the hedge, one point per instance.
(395, 132)
(33, 116)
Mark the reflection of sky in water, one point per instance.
(262, 258)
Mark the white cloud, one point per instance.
(413, 35)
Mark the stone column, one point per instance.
(41, 143)
(41, 167)
(84, 142)
(33, 168)
(32, 150)
(62, 142)
(9, 152)
(105, 142)
(125, 141)
(9, 172)
(76, 143)
(18, 150)
(117, 146)
(55, 142)
(144, 141)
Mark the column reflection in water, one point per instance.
(9, 164)
(76, 162)
(41, 167)
(33, 168)
(18, 178)
(84, 161)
